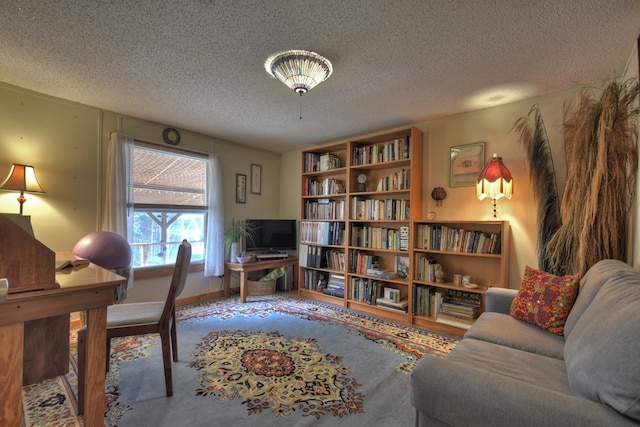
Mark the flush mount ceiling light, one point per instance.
(300, 70)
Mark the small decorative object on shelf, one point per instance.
(440, 274)
(362, 180)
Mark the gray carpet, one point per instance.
(276, 360)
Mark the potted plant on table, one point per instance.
(235, 236)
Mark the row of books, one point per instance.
(311, 279)
(360, 262)
(395, 149)
(324, 209)
(374, 292)
(380, 237)
(320, 257)
(426, 270)
(324, 187)
(445, 238)
(379, 209)
(322, 232)
(314, 162)
(448, 306)
(399, 180)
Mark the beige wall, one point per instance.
(494, 127)
(64, 141)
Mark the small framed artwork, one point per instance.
(256, 179)
(241, 188)
(466, 163)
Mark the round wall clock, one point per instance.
(171, 136)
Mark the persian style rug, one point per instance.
(275, 360)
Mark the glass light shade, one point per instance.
(494, 180)
(22, 178)
(300, 70)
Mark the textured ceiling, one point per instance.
(198, 64)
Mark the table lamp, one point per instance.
(22, 178)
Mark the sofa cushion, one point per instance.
(590, 285)
(602, 351)
(546, 372)
(506, 330)
(486, 385)
(545, 299)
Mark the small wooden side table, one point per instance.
(253, 266)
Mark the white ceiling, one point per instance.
(198, 64)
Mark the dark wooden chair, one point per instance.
(125, 320)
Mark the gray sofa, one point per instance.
(506, 372)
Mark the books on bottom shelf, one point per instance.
(335, 285)
(454, 321)
(401, 305)
(458, 315)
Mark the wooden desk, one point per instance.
(88, 288)
(252, 266)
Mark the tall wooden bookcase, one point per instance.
(358, 200)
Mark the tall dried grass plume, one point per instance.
(601, 154)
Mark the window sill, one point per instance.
(163, 271)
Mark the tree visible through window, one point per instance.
(169, 196)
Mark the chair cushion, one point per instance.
(545, 299)
(134, 313)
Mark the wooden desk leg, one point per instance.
(227, 282)
(243, 287)
(11, 354)
(96, 366)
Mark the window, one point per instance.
(170, 204)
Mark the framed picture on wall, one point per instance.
(466, 163)
(256, 179)
(241, 188)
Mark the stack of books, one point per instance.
(335, 285)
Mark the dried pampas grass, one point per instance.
(601, 154)
(543, 178)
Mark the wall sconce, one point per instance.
(22, 178)
(494, 181)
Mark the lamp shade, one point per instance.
(494, 180)
(300, 70)
(22, 178)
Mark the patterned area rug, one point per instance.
(286, 360)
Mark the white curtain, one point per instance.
(117, 214)
(118, 210)
(214, 252)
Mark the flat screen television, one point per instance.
(273, 235)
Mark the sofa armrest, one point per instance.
(498, 300)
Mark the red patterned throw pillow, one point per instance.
(545, 300)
